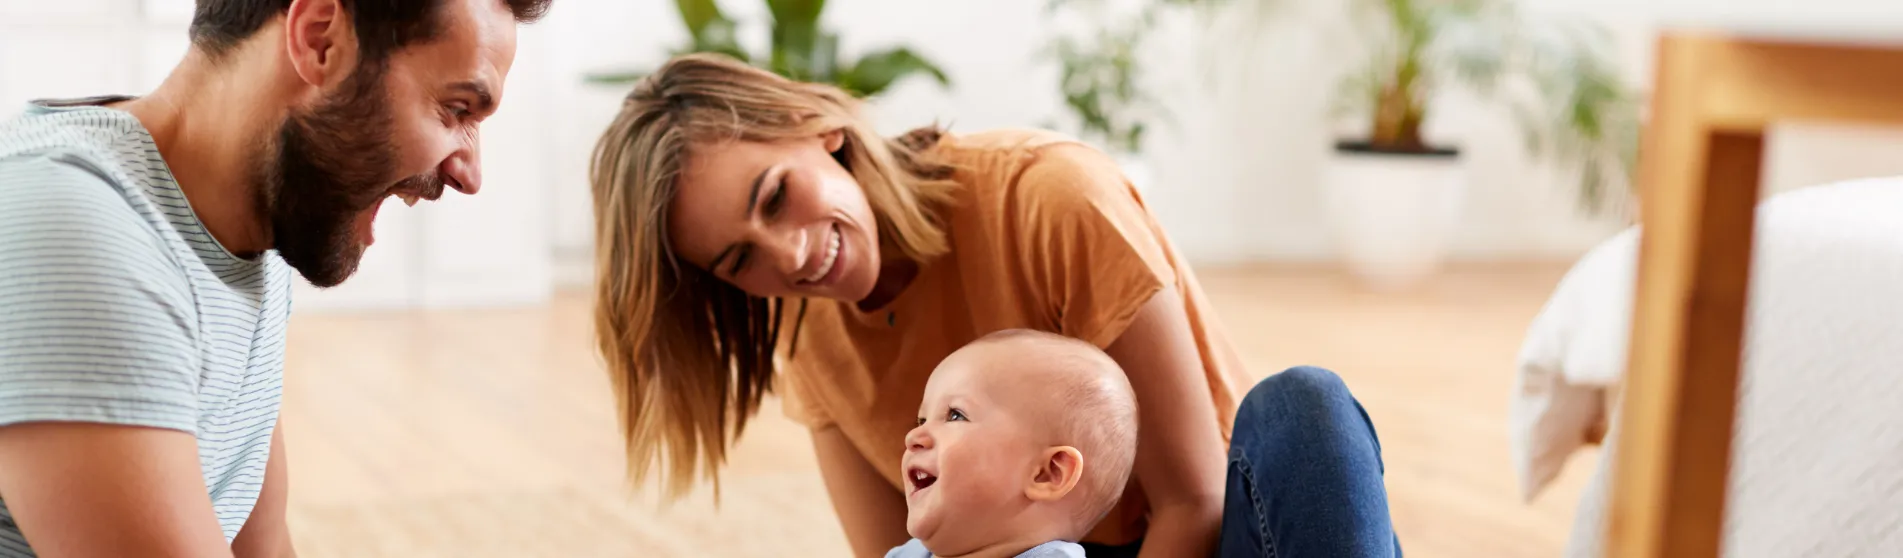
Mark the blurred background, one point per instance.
(1387, 188)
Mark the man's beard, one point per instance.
(331, 164)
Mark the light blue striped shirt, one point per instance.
(116, 305)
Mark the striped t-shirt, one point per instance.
(116, 305)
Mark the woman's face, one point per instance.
(780, 219)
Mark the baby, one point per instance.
(1024, 441)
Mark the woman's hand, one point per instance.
(870, 509)
(1180, 460)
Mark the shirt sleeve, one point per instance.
(95, 321)
(799, 401)
(799, 398)
(1089, 247)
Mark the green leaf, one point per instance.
(876, 71)
(698, 14)
(801, 50)
(796, 12)
(614, 77)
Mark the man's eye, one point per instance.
(457, 110)
(955, 415)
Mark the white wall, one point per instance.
(1236, 172)
(1259, 199)
(1235, 175)
(488, 249)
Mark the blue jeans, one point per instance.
(1304, 476)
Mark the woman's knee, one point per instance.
(1299, 384)
(1293, 395)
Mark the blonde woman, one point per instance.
(755, 235)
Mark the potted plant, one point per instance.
(1392, 197)
(1100, 73)
(801, 49)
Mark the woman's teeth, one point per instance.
(826, 266)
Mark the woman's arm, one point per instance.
(1180, 461)
(870, 509)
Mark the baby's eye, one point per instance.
(954, 415)
(921, 421)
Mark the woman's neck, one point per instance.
(895, 275)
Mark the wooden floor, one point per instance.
(489, 433)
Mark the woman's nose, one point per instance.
(790, 251)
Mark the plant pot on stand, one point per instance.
(1391, 212)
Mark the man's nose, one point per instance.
(464, 167)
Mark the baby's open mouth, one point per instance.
(920, 479)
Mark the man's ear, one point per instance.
(1057, 473)
(320, 40)
(834, 139)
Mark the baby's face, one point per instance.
(968, 462)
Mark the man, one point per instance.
(145, 249)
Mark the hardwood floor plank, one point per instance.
(491, 433)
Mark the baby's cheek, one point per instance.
(1000, 474)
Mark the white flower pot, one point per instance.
(1391, 213)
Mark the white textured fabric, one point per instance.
(1573, 351)
(1817, 458)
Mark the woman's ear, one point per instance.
(1057, 473)
(834, 139)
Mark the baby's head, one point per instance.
(1022, 437)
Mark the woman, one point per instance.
(736, 209)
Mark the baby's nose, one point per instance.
(918, 439)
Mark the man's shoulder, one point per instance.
(52, 194)
(65, 217)
(71, 154)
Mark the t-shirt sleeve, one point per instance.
(1090, 249)
(799, 399)
(94, 320)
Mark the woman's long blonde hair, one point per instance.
(690, 356)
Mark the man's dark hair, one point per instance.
(383, 26)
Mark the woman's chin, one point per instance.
(858, 288)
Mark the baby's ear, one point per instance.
(1057, 473)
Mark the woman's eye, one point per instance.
(740, 261)
(774, 201)
(955, 415)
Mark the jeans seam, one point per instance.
(1261, 511)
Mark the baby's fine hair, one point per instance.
(1096, 410)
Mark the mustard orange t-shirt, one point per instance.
(1045, 234)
